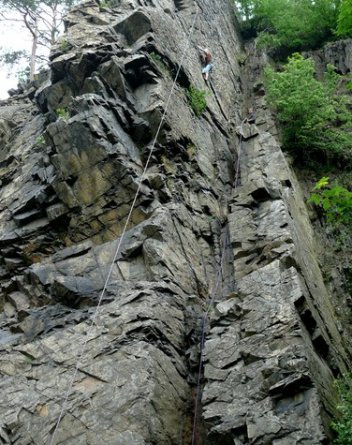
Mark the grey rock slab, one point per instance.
(134, 26)
(256, 343)
(118, 384)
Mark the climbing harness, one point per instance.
(84, 345)
(205, 318)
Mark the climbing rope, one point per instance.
(211, 302)
(84, 345)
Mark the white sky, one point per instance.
(12, 37)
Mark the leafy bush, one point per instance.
(335, 200)
(105, 4)
(64, 46)
(63, 113)
(197, 100)
(40, 141)
(313, 118)
(245, 8)
(344, 26)
(343, 425)
(241, 59)
(290, 24)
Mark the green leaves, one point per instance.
(312, 116)
(291, 24)
(41, 19)
(343, 425)
(323, 182)
(62, 113)
(344, 26)
(11, 57)
(245, 8)
(197, 99)
(334, 200)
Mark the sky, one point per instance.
(12, 37)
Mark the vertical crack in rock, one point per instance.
(68, 180)
(274, 346)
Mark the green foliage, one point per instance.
(156, 58)
(335, 200)
(11, 57)
(42, 21)
(344, 25)
(40, 141)
(63, 113)
(245, 8)
(241, 59)
(23, 76)
(197, 100)
(291, 24)
(64, 46)
(105, 3)
(343, 425)
(313, 118)
(191, 150)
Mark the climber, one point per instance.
(206, 59)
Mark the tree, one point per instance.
(245, 8)
(291, 24)
(335, 201)
(42, 19)
(312, 116)
(343, 424)
(344, 26)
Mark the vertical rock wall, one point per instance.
(76, 167)
(72, 155)
(275, 344)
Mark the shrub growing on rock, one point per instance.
(197, 100)
(156, 58)
(312, 116)
(335, 201)
(343, 425)
(62, 113)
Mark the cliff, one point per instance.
(208, 321)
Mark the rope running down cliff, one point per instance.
(84, 345)
(211, 302)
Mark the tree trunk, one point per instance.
(33, 52)
(53, 31)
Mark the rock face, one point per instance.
(337, 53)
(100, 330)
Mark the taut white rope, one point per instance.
(84, 346)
